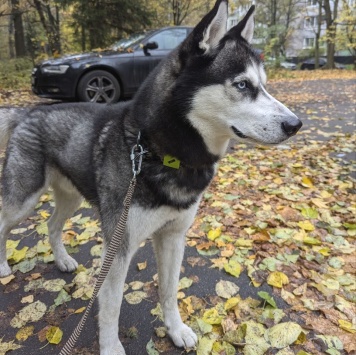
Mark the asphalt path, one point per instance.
(325, 106)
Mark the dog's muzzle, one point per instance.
(291, 125)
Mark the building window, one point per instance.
(310, 22)
(312, 2)
(308, 43)
(233, 22)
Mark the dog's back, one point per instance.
(9, 119)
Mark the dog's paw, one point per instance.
(118, 349)
(66, 263)
(5, 269)
(183, 336)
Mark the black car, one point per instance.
(106, 76)
(309, 64)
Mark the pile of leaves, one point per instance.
(287, 218)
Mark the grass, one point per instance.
(283, 74)
(15, 73)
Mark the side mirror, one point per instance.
(149, 46)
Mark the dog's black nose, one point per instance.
(292, 125)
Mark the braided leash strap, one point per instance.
(109, 257)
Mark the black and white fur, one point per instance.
(209, 90)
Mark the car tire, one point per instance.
(99, 86)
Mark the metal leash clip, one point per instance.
(136, 156)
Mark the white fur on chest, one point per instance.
(145, 222)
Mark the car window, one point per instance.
(169, 39)
(128, 42)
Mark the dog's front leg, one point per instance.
(169, 252)
(110, 298)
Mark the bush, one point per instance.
(15, 73)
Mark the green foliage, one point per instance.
(99, 22)
(15, 73)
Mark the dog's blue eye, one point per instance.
(242, 85)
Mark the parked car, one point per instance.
(288, 65)
(273, 63)
(309, 64)
(106, 76)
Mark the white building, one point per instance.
(304, 27)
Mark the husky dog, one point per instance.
(209, 90)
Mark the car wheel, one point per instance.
(99, 86)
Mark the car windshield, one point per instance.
(128, 42)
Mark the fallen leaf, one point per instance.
(283, 334)
(277, 279)
(226, 289)
(142, 266)
(233, 268)
(31, 313)
(5, 347)
(79, 310)
(7, 279)
(24, 333)
(185, 282)
(27, 299)
(54, 335)
(150, 348)
(135, 297)
(348, 326)
(212, 316)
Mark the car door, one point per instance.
(146, 60)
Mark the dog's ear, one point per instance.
(209, 31)
(245, 27)
(215, 28)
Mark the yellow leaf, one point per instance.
(277, 279)
(27, 299)
(12, 244)
(231, 303)
(319, 203)
(278, 181)
(188, 305)
(325, 194)
(246, 243)
(24, 333)
(346, 325)
(142, 266)
(214, 233)
(306, 182)
(331, 284)
(311, 241)
(54, 335)
(79, 310)
(306, 225)
(212, 316)
(135, 297)
(283, 334)
(233, 268)
(44, 214)
(325, 251)
(19, 255)
(7, 279)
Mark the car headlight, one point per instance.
(55, 69)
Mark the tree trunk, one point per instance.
(317, 36)
(83, 38)
(11, 37)
(49, 26)
(330, 17)
(18, 27)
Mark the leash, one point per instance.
(137, 153)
